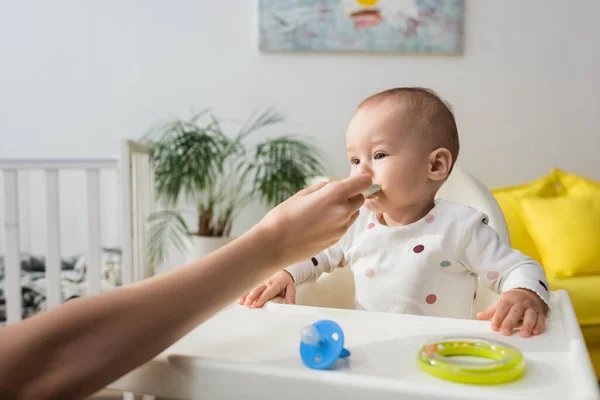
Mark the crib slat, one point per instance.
(93, 237)
(149, 180)
(138, 231)
(25, 210)
(12, 279)
(126, 217)
(134, 218)
(53, 262)
(143, 180)
(141, 263)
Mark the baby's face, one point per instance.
(379, 144)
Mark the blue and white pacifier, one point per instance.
(322, 343)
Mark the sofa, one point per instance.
(556, 220)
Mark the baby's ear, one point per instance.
(440, 163)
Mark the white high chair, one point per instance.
(336, 290)
(253, 353)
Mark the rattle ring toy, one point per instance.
(500, 363)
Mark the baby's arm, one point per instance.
(284, 282)
(519, 279)
(311, 270)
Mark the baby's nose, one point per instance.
(366, 169)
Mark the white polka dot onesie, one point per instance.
(429, 267)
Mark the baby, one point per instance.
(410, 253)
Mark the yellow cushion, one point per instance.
(591, 335)
(574, 185)
(595, 357)
(509, 201)
(585, 296)
(566, 232)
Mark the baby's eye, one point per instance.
(379, 156)
(355, 161)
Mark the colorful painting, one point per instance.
(413, 26)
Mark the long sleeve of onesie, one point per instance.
(498, 265)
(329, 259)
(311, 270)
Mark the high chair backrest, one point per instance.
(337, 289)
(462, 187)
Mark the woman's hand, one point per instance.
(117, 331)
(313, 219)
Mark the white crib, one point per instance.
(135, 180)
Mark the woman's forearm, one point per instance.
(83, 345)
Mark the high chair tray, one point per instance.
(254, 354)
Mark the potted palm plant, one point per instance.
(197, 163)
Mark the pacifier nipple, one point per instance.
(309, 335)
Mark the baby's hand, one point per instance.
(280, 284)
(514, 306)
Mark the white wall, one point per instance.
(78, 76)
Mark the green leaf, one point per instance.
(186, 161)
(166, 228)
(267, 118)
(196, 161)
(199, 115)
(285, 165)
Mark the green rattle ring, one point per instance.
(501, 363)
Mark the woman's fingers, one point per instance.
(352, 186)
(311, 189)
(313, 219)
